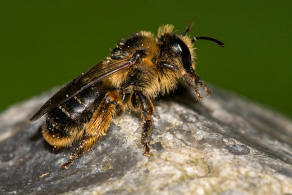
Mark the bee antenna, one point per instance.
(210, 39)
(189, 27)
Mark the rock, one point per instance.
(223, 145)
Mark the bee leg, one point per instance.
(147, 109)
(97, 126)
(193, 81)
(84, 145)
(198, 81)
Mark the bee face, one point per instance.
(172, 45)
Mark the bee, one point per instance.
(138, 69)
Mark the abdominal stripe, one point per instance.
(65, 111)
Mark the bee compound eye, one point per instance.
(177, 48)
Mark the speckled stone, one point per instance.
(224, 145)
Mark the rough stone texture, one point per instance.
(223, 145)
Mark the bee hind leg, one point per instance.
(97, 126)
(147, 109)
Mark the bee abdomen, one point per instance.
(73, 113)
(80, 104)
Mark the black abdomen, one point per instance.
(74, 112)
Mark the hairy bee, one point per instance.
(137, 70)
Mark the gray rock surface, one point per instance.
(223, 145)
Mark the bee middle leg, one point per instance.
(97, 126)
(147, 109)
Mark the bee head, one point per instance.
(180, 46)
(173, 46)
(177, 51)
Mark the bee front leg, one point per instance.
(199, 82)
(97, 126)
(193, 81)
(147, 109)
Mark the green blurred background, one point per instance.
(49, 42)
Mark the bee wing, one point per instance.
(95, 74)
